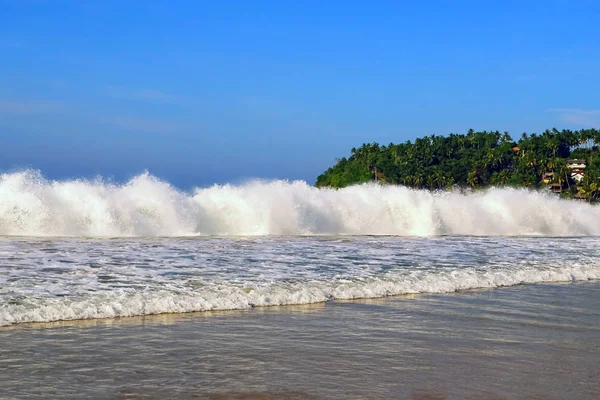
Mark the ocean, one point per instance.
(281, 290)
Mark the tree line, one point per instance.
(476, 160)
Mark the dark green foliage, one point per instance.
(475, 159)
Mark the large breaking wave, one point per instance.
(146, 206)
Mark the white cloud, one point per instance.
(127, 123)
(576, 116)
(148, 125)
(31, 107)
(149, 95)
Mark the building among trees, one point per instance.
(577, 168)
(565, 162)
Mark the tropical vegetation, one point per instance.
(477, 160)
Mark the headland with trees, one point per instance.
(566, 162)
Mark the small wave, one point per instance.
(120, 304)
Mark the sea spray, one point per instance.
(146, 206)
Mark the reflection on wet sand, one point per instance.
(221, 396)
(170, 318)
(530, 342)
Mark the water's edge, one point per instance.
(41, 316)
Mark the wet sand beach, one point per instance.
(539, 341)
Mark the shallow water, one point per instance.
(538, 341)
(457, 332)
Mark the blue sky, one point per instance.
(202, 92)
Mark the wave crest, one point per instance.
(146, 206)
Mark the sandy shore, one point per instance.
(524, 342)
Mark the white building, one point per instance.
(577, 168)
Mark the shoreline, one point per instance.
(326, 300)
(527, 341)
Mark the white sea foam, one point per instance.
(147, 206)
(122, 304)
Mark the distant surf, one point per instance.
(146, 206)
